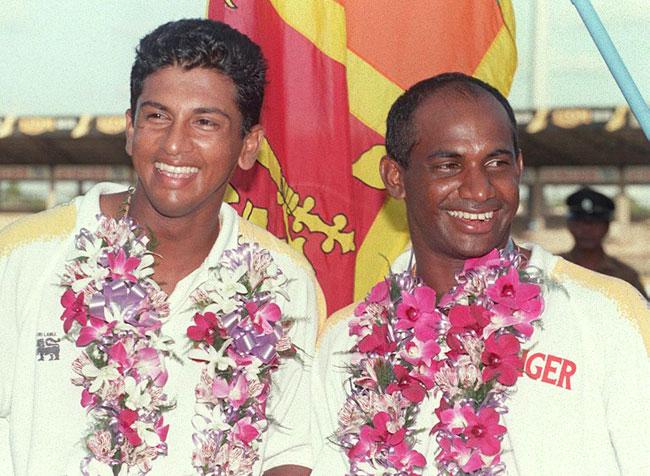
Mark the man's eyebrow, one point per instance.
(502, 152)
(198, 110)
(443, 154)
(211, 110)
(153, 104)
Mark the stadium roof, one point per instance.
(549, 137)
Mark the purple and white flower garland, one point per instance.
(239, 337)
(114, 311)
(465, 348)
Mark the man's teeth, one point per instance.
(175, 170)
(472, 216)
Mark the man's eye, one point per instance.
(447, 166)
(499, 162)
(206, 123)
(154, 116)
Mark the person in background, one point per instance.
(590, 213)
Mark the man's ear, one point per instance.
(129, 132)
(520, 162)
(392, 175)
(251, 147)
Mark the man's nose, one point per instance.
(177, 139)
(476, 184)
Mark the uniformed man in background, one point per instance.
(590, 214)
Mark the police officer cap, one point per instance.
(587, 204)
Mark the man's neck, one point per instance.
(437, 272)
(182, 243)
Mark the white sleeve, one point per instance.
(8, 340)
(9, 334)
(627, 390)
(288, 434)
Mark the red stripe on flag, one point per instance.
(316, 140)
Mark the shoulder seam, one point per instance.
(44, 226)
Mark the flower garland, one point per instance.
(239, 337)
(466, 348)
(114, 311)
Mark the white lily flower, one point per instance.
(100, 376)
(161, 342)
(146, 432)
(228, 282)
(209, 419)
(213, 358)
(252, 370)
(145, 268)
(138, 397)
(95, 275)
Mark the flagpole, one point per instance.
(614, 63)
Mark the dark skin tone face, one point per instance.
(461, 185)
(588, 234)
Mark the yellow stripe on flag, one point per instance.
(370, 93)
(387, 237)
(498, 65)
(320, 21)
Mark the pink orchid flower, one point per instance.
(262, 317)
(97, 329)
(371, 435)
(405, 458)
(75, 309)
(377, 342)
(510, 295)
(236, 392)
(380, 292)
(149, 365)
(501, 359)
(161, 429)
(244, 431)
(411, 388)
(486, 261)
(418, 311)
(88, 399)
(204, 328)
(417, 352)
(126, 418)
(118, 354)
(483, 430)
(122, 267)
(452, 419)
(455, 449)
(463, 320)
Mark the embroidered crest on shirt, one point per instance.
(47, 346)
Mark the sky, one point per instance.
(70, 57)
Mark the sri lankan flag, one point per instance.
(335, 67)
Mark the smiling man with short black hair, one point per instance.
(478, 355)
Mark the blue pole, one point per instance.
(614, 63)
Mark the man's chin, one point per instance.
(475, 248)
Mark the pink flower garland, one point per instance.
(239, 337)
(114, 311)
(466, 348)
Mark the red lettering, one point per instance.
(549, 369)
(568, 369)
(529, 364)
